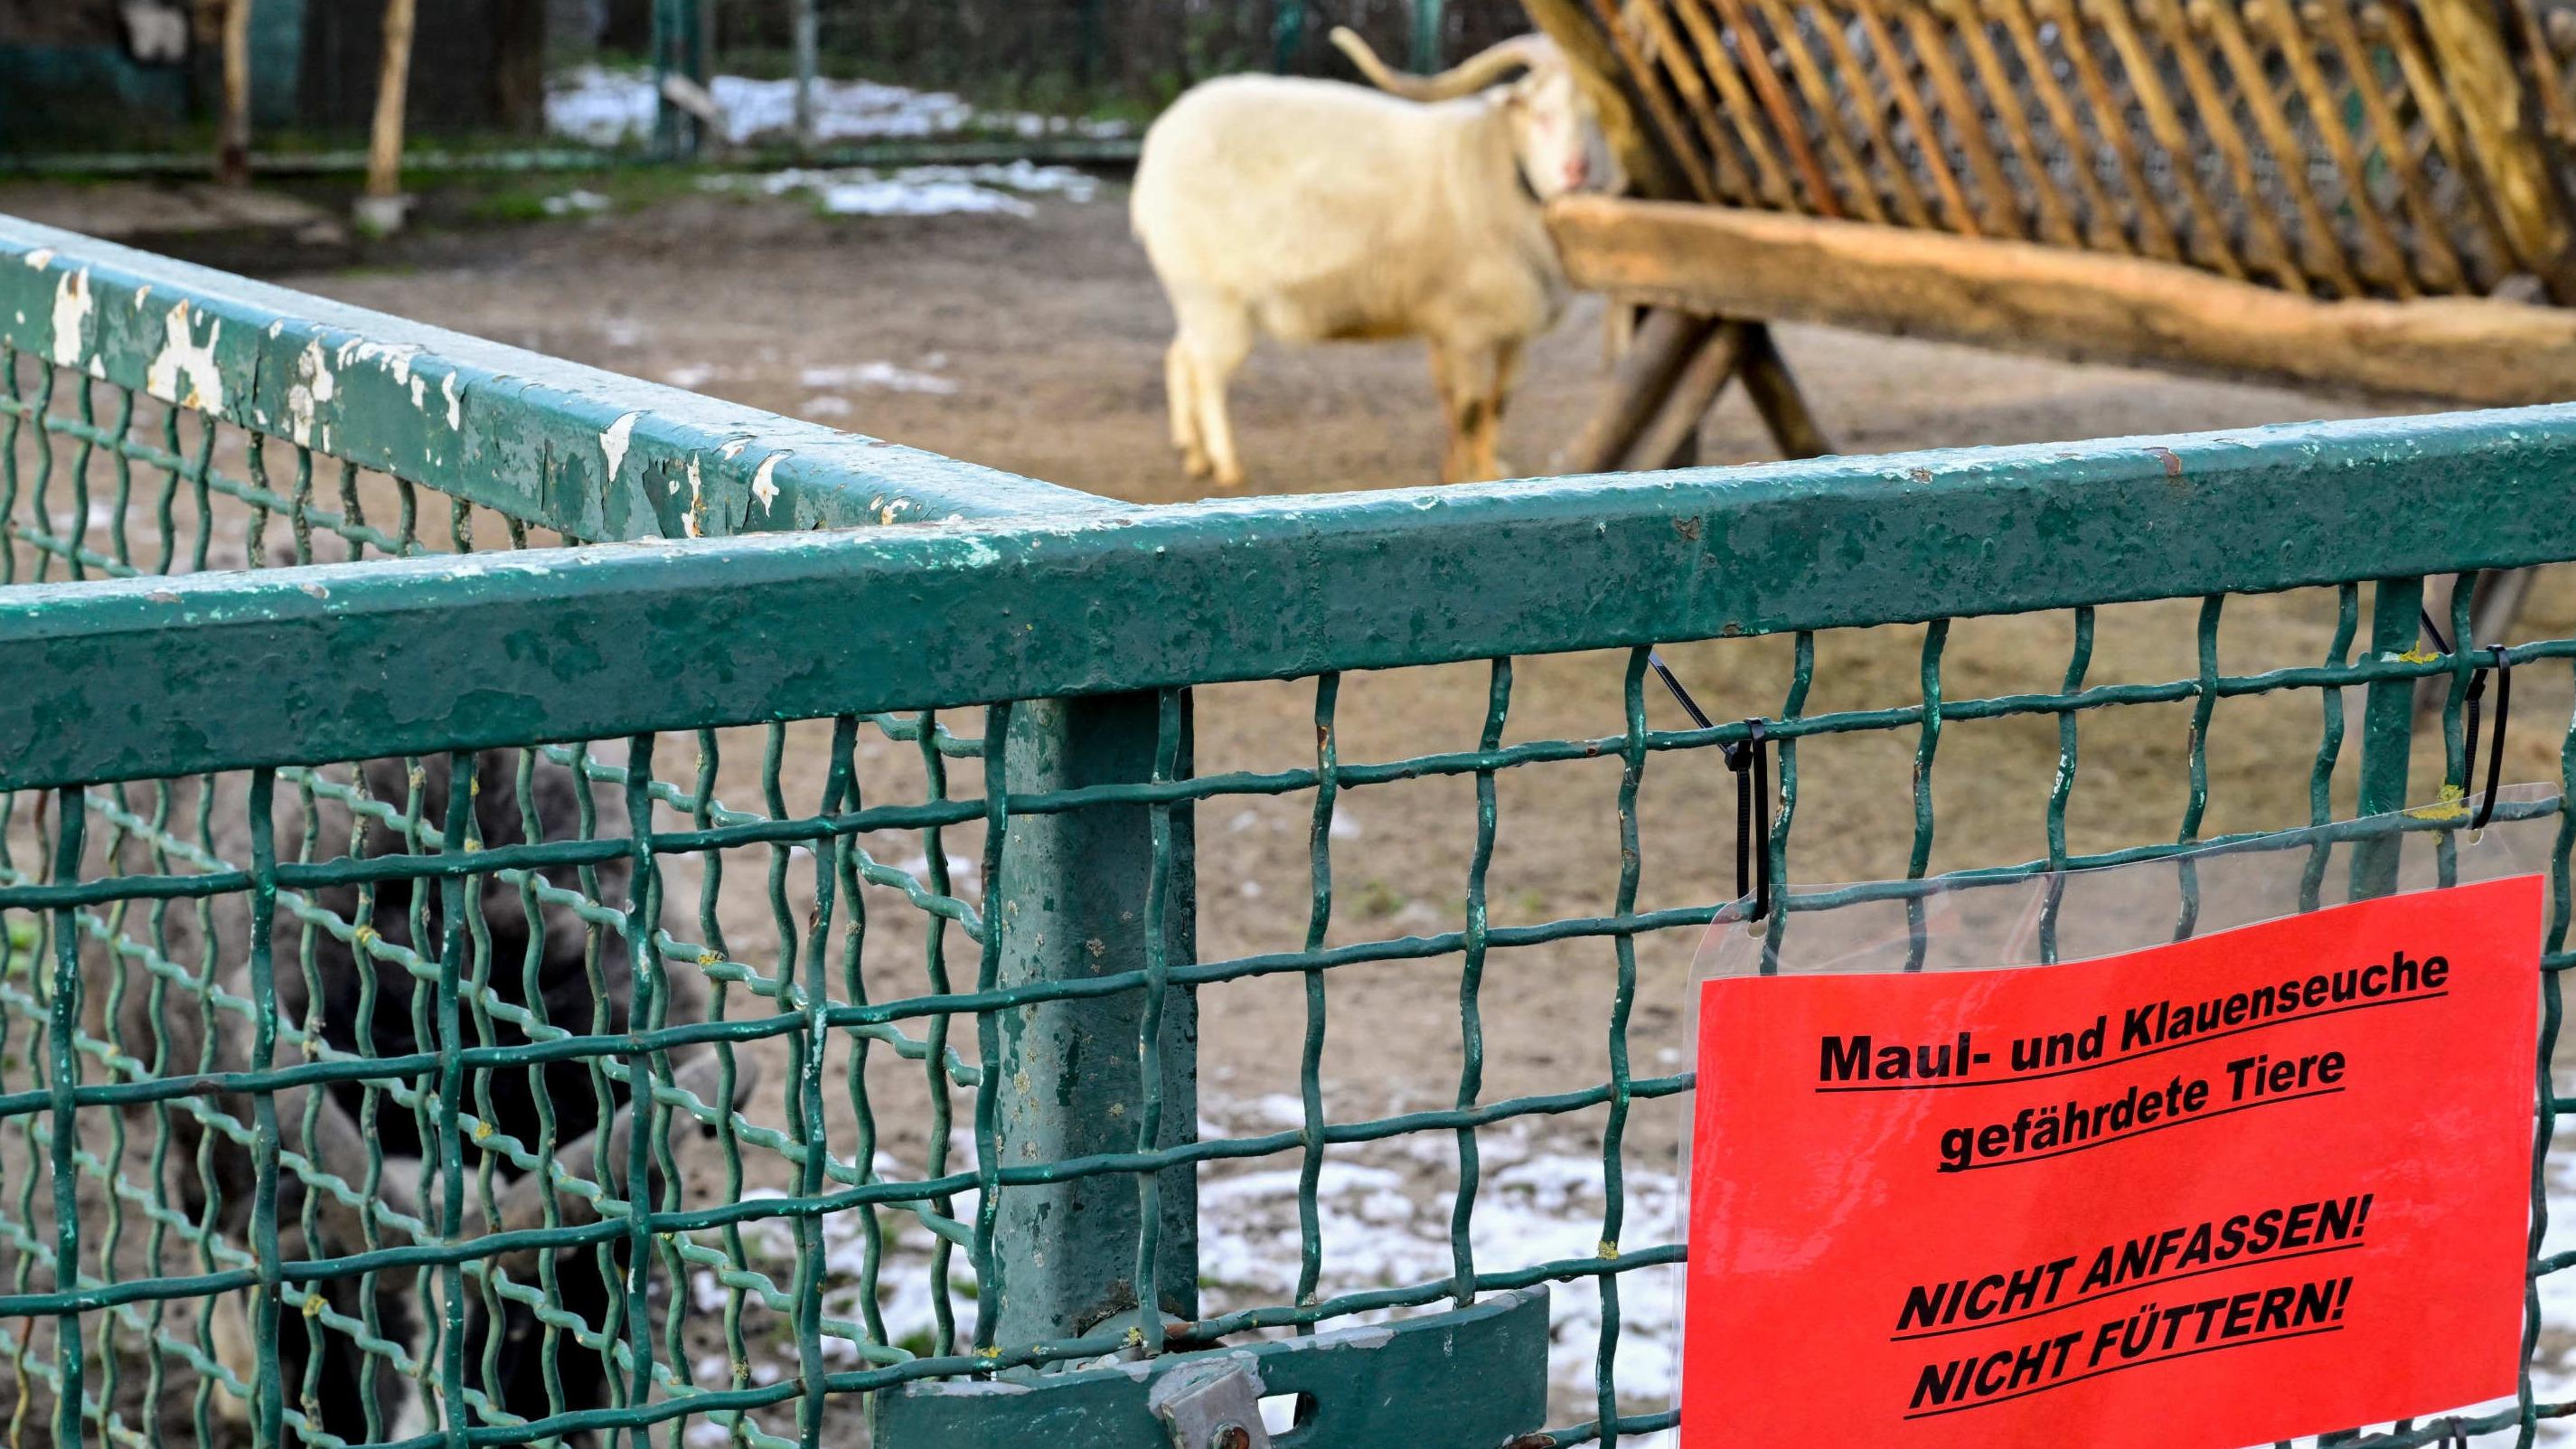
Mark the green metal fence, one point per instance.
(635, 917)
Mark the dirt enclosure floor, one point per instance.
(1033, 343)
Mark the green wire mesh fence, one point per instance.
(500, 951)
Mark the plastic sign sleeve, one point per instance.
(2270, 1182)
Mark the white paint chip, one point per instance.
(314, 387)
(763, 485)
(454, 392)
(613, 442)
(184, 372)
(71, 318)
(39, 258)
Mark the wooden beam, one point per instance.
(1671, 438)
(2082, 305)
(1638, 384)
(1776, 397)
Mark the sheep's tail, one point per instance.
(1521, 52)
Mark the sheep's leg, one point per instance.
(1180, 385)
(1471, 381)
(1444, 381)
(1219, 337)
(1507, 371)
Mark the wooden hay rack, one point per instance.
(2367, 195)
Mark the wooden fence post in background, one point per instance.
(807, 41)
(380, 210)
(232, 136)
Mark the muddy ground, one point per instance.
(1033, 343)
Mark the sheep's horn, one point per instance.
(1521, 52)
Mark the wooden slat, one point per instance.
(2437, 263)
(1918, 117)
(1741, 111)
(2216, 235)
(2432, 99)
(1967, 119)
(2056, 218)
(2106, 232)
(1873, 113)
(2489, 95)
(1859, 187)
(2324, 251)
(2232, 146)
(2381, 254)
(1777, 103)
(1734, 183)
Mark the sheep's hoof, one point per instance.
(1196, 464)
(1229, 482)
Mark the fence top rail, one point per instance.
(582, 450)
(146, 677)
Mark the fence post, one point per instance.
(381, 210)
(1426, 36)
(2387, 732)
(232, 133)
(807, 41)
(1072, 905)
(666, 117)
(1087, 47)
(1287, 35)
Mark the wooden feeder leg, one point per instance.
(1775, 395)
(1664, 344)
(1671, 439)
(232, 140)
(382, 209)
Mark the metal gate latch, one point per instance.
(1213, 1405)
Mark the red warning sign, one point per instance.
(2270, 1182)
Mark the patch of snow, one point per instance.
(692, 375)
(824, 405)
(604, 107)
(576, 202)
(883, 375)
(1384, 1223)
(965, 877)
(919, 190)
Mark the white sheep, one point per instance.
(1320, 211)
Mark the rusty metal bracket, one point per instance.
(1211, 1404)
(1475, 1378)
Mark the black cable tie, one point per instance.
(2495, 745)
(1680, 695)
(1751, 764)
(2471, 699)
(2424, 616)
